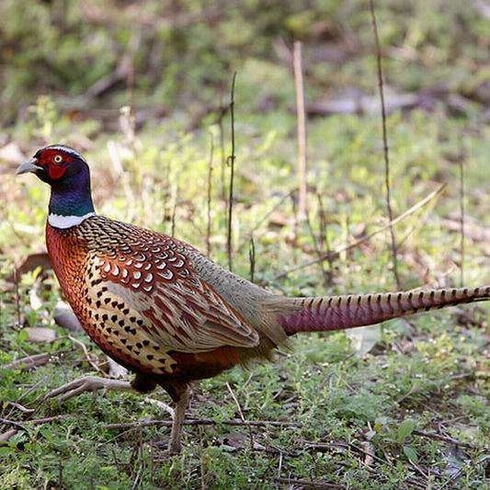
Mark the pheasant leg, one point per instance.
(174, 445)
(180, 392)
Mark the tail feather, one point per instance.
(341, 312)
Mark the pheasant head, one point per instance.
(67, 172)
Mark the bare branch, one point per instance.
(385, 146)
(300, 113)
(231, 162)
(210, 193)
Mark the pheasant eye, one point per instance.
(57, 159)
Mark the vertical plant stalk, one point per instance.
(389, 207)
(210, 193)
(325, 242)
(123, 178)
(230, 160)
(462, 210)
(166, 193)
(17, 298)
(130, 82)
(251, 258)
(318, 251)
(242, 417)
(174, 202)
(127, 65)
(301, 118)
(127, 119)
(172, 217)
(221, 131)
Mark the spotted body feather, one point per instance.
(143, 298)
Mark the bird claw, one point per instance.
(87, 383)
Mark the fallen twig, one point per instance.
(43, 420)
(309, 484)
(5, 436)
(233, 422)
(323, 447)
(13, 423)
(441, 437)
(28, 362)
(46, 420)
(20, 407)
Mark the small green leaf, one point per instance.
(405, 430)
(6, 450)
(22, 336)
(410, 453)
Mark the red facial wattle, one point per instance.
(55, 172)
(55, 163)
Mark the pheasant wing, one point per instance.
(155, 287)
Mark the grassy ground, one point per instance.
(404, 405)
(412, 411)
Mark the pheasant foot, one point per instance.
(87, 383)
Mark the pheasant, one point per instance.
(163, 310)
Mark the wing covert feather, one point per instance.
(153, 275)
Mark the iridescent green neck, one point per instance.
(71, 201)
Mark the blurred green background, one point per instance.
(178, 56)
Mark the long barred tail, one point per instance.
(342, 312)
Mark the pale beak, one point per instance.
(31, 165)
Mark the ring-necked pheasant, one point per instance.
(159, 307)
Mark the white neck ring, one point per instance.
(59, 221)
